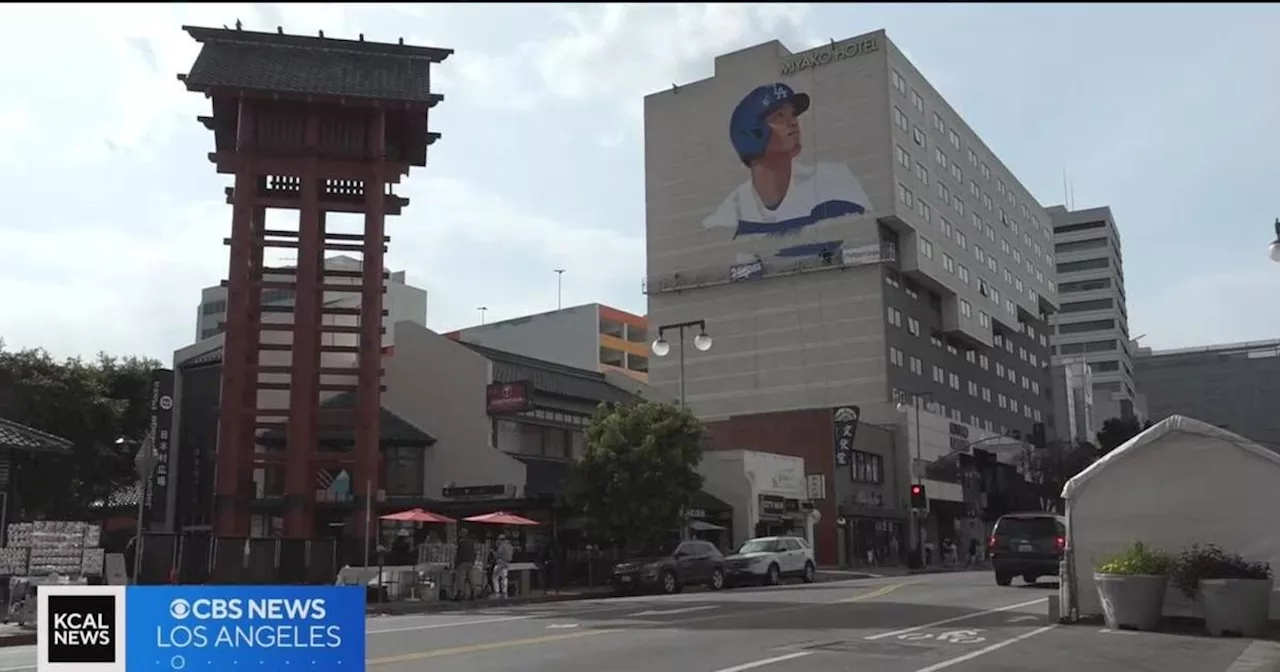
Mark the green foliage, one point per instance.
(639, 470)
(1211, 562)
(1137, 560)
(1057, 463)
(90, 404)
(1115, 431)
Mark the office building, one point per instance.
(1072, 420)
(401, 301)
(849, 241)
(592, 336)
(1092, 322)
(1234, 386)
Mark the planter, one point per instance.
(1235, 607)
(1131, 601)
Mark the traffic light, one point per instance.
(919, 500)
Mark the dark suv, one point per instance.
(1029, 545)
(669, 570)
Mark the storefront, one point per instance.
(710, 519)
(767, 492)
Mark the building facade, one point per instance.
(402, 301)
(593, 336)
(1072, 420)
(850, 242)
(1234, 386)
(1091, 326)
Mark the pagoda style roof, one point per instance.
(14, 436)
(278, 63)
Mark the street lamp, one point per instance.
(144, 462)
(918, 402)
(1275, 246)
(702, 342)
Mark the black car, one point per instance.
(1029, 545)
(669, 570)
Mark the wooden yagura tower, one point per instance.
(318, 126)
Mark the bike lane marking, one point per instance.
(953, 619)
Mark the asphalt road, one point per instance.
(956, 622)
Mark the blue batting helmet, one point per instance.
(747, 128)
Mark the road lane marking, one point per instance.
(16, 669)
(547, 639)
(767, 661)
(682, 610)
(450, 624)
(953, 619)
(562, 626)
(985, 650)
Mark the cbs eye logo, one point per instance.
(180, 609)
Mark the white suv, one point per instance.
(770, 559)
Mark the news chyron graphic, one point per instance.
(173, 628)
(80, 628)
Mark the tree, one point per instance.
(1055, 464)
(89, 404)
(1115, 431)
(639, 470)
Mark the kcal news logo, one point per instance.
(173, 628)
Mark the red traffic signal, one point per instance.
(918, 499)
(916, 490)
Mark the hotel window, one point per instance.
(955, 139)
(915, 365)
(899, 83)
(956, 173)
(944, 194)
(957, 204)
(979, 254)
(922, 174)
(983, 360)
(999, 367)
(986, 395)
(970, 356)
(974, 191)
(895, 356)
(918, 136)
(954, 380)
(926, 248)
(986, 200)
(904, 159)
(905, 196)
(1004, 246)
(917, 101)
(941, 158)
(925, 212)
(963, 272)
(961, 240)
(1000, 187)
(913, 326)
(937, 123)
(973, 159)
(1013, 405)
(1002, 401)
(895, 317)
(867, 467)
(900, 119)
(938, 374)
(947, 231)
(948, 263)
(973, 389)
(991, 232)
(1035, 388)
(984, 320)
(1039, 276)
(1026, 383)
(986, 172)
(965, 308)
(995, 296)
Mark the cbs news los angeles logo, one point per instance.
(80, 629)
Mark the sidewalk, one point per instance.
(11, 634)
(538, 597)
(872, 572)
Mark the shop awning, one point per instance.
(708, 503)
(704, 526)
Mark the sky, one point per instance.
(114, 219)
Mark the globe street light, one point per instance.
(1275, 246)
(702, 342)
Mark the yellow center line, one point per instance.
(547, 639)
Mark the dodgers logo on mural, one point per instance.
(782, 196)
(245, 627)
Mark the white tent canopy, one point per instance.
(1180, 482)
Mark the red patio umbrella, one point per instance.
(417, 516)
(502, 518)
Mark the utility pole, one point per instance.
(559, 288)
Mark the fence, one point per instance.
(202, 558)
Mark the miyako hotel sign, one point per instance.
(837, 51)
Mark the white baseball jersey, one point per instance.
(818, 192)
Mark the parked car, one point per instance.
(1029, 545)
(768, 560)
(669, 570)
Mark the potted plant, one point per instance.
(1131, 587)
(1234, 594)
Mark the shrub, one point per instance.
(1137, 560)
(1210, 562)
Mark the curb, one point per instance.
(396, 609)
(18, 640)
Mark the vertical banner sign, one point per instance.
(157, 491)
(846, 426)
(155, 628)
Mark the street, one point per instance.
(958, 622)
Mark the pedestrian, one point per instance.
(464, 564)
(503, 553)
(973, 551)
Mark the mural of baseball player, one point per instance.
(782, 197)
